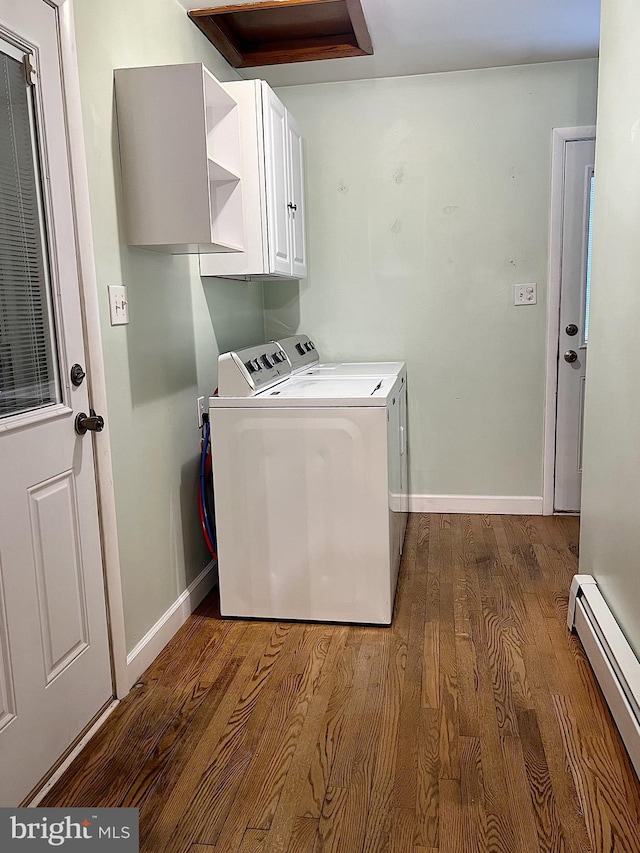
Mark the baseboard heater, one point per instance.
(611, 657)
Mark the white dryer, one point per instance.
(304, 358)
(307, 473)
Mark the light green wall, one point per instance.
(610, 539)
(165, 358)
(428, 199)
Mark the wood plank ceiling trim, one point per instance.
(273, 32)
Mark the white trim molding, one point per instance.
(612, 659)
(561, 136)
(157, 637)
(477, 504)
(93, 347)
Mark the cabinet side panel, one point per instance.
(162, 137)
(302, 513)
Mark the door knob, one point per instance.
(93, 422)
(572, 329)
(571, 356)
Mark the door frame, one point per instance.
(561, 136)
(93, 346)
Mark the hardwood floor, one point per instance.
(472, 724)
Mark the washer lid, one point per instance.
(314, 392)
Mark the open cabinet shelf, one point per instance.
(181, 162)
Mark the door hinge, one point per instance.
(30, 70)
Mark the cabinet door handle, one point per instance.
(292, 206)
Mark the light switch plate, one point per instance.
(118, 305)
(525, 294)
(200, 407)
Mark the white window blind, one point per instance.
(27, 372)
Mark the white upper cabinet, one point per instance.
(272, 190)
(180, 152)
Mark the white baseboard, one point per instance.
(484, 504)
(611, 657)
(154, 641)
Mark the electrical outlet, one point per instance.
(200, 406)
(525, 294)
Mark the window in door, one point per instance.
(28, 362)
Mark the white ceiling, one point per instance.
(425, 36)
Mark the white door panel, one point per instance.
(275, 125)
(54, 656)
(297, 211)
(579, 159)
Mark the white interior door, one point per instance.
(54, 655)
(573, 322)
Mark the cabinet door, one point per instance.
(296, 198)
(276, 168)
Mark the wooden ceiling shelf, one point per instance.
(274, 32)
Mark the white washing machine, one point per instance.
(310, 504)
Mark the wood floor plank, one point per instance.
(451, 817)
(253, 841)
(304, 835)
(382, 788)
(272, 757)
(205, 790)
(378, 827)
(610, 823)
(427, 804)
(474, 723)
(474, 819)
(330, 736)
(294, 790)
(548, 821)
(354, 711)
(449, 724)
(500, 831)
(431, 665)
(334, 831)
(519, 795)
(406, 779)
(542, 668)
(402, 830)
(499, 668)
